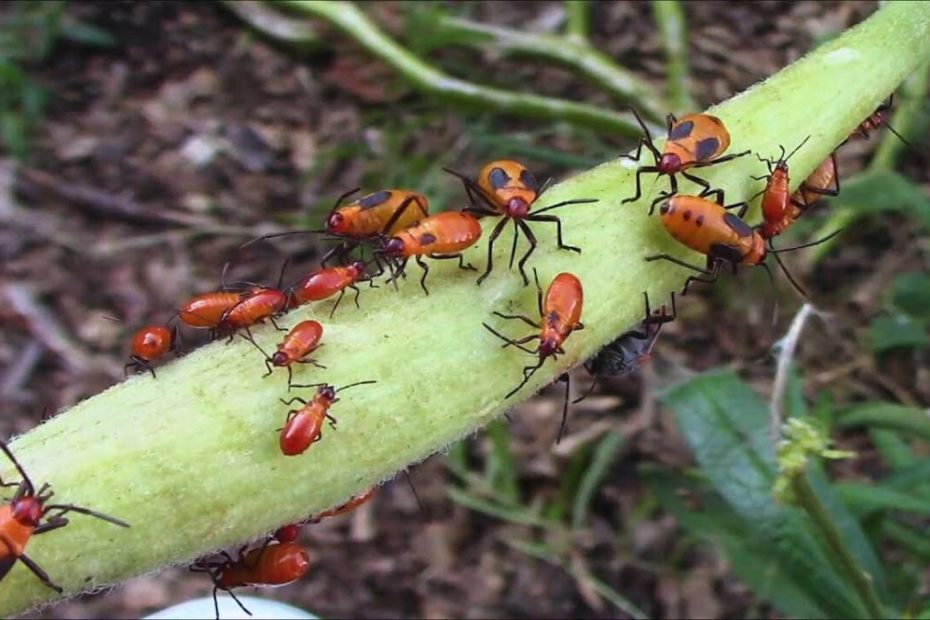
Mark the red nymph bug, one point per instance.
(823, 181)
(709, 228)
(694, 141)
(440, 236)
(876, 119)
(326, 282)
(778, 212)
(631, 349)
(560, 314)
(254, 307)
(268, 566)
(287, 533)
(299, 342)
(507, 189)
(149, 344)
(29, 514)
(385, 212)
(353, 502)
(304, 426)
(205, 311)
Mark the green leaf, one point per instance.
(868, 498)
(878, 191)
(726, 425)
(910, 293)
(909, 420)
(500, 468)
(893, 332)
(894, 450)
(910, 477)
(603, 457)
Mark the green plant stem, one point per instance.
(263, 18)
(807, 499)
(577, 14)
(453, 91)
(673, 34)
(577, 55)
(191, 459)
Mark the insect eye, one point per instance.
(681, 130)
(498, 178)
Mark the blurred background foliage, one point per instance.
(191, 128)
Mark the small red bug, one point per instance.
(694, 141)
(205, 311)
(326, 282)
(287, 533)
(778, 212)
(300, 342)
(27, 515)
(254, 307)
(385, 212)
(876, 119)
(150, 344)
(709, 228)
(268, 566)
(507, 189)
(440, 236)
(631, 349)
(304, 426)
(560, 314)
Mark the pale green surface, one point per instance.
(191, 459)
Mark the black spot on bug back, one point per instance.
(373, 200)
(706, 148)
(699, 221)
(529, 180)
(681, 130)
(738, 226)
(726, 252)
(498, 178)
(686, 215)
(427, 239)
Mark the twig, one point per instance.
(577, 13)
(786, 347)
(807, 499)
(427, 79)
(673, 34)
(576, 54)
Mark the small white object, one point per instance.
(202, 609)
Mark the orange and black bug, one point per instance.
(326, 282)
(385, 212)
(560, 314)
(631, 349)
(507, 189)
(268, 566)
(150, 344)
(709, 228)
(304, 426)
(28, 515)
(300, 342)
(694, 141)
(823, 181)
(876, 119)
(440, 236)
(778, 211)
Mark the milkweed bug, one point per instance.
(150, 344)
(326, 282)
(709, 228)
(823, 181)
(440, 236)
(560, 314)
(254, 307)
(270, 565)
(205, 311)
(507, 189)
(876, 119)
(304, 426)
(287, 533)
(302, 340)
(385, 212)
(694, 141)
(778, 212)
(631, 349)
(28, 515)
(348, 506)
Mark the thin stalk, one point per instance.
(577, 55)
(577, 14)
(807, 499)
(453, 91)
(673, 33)
(272, 23)
(191, 459)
